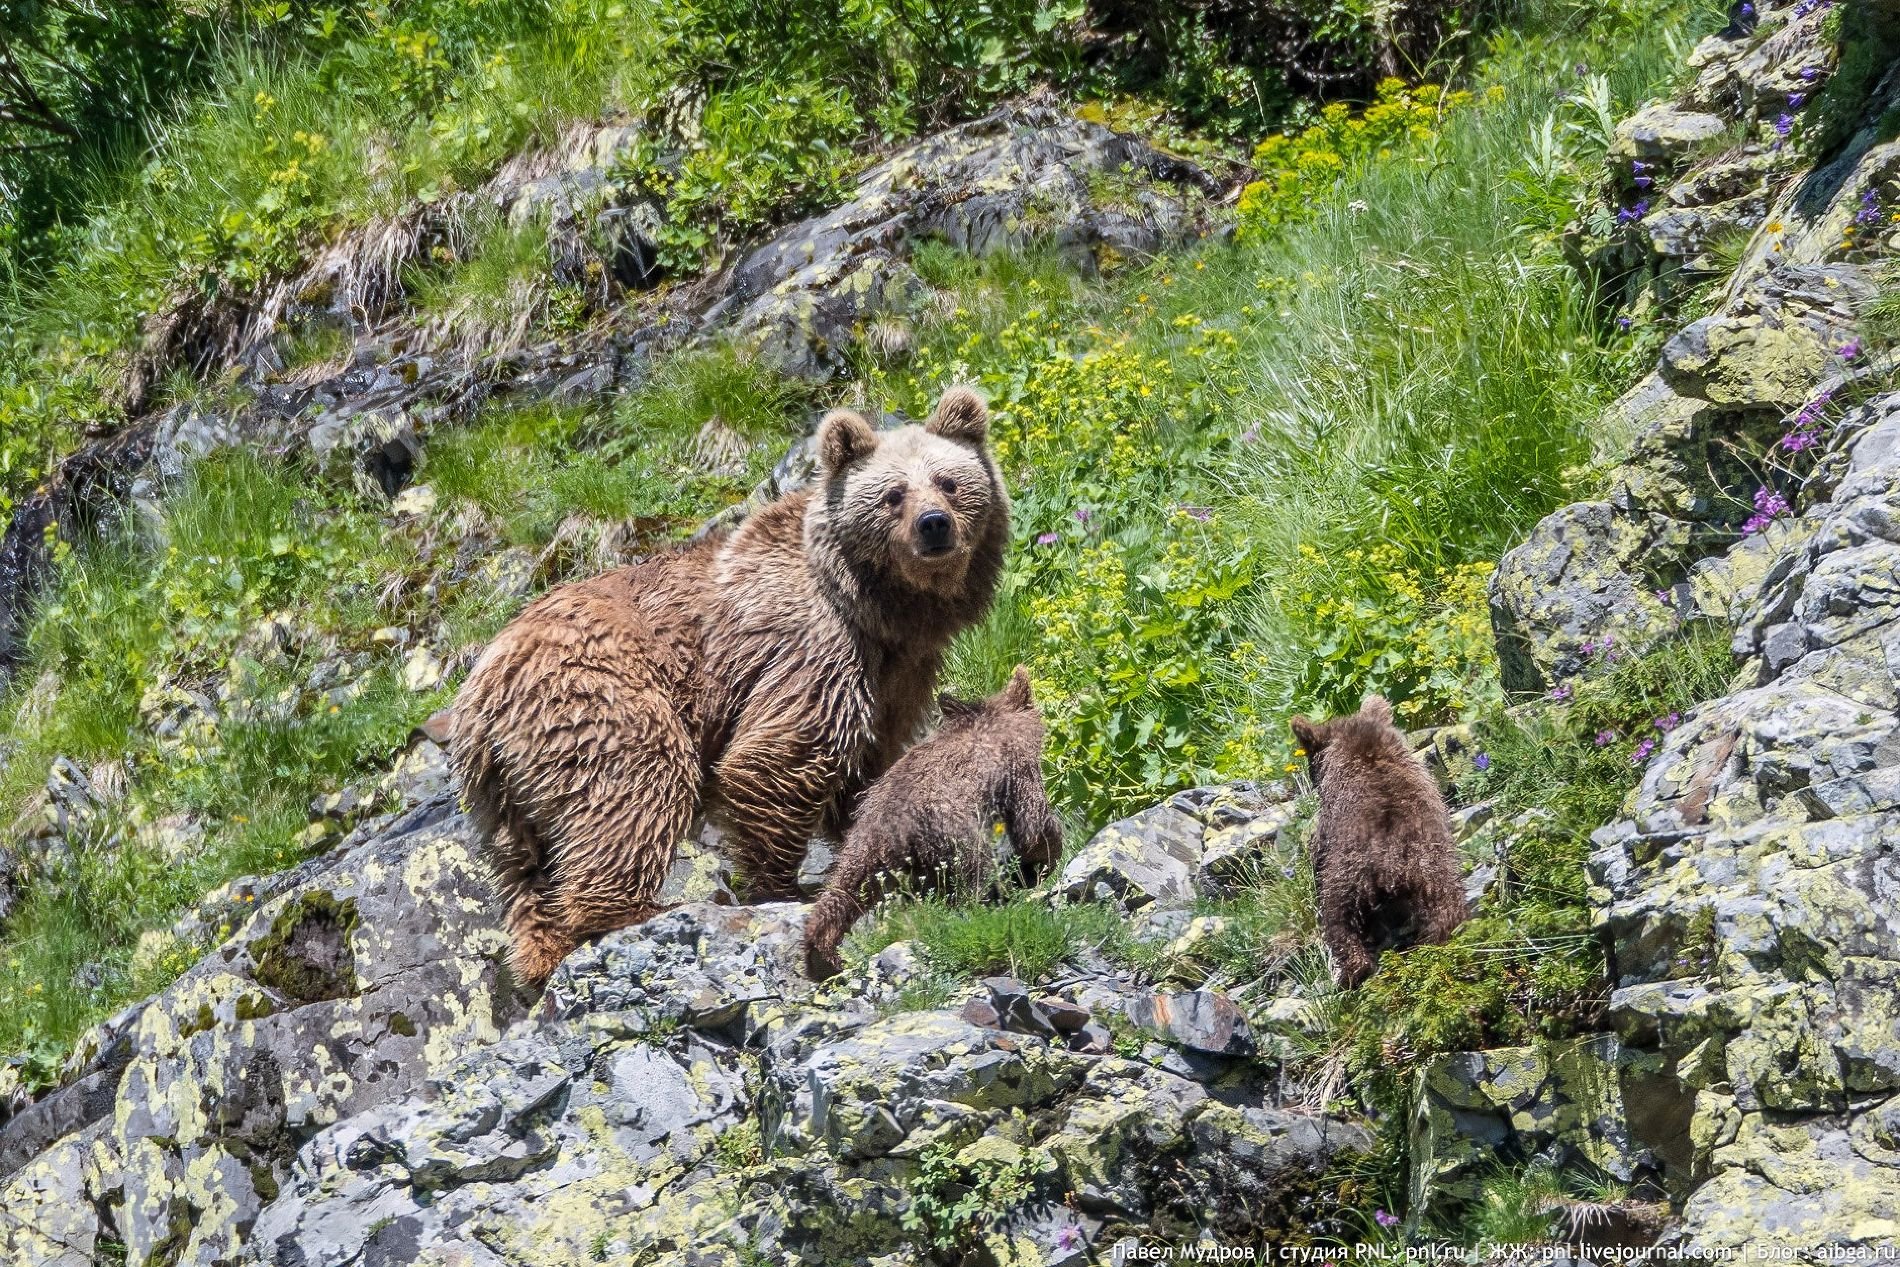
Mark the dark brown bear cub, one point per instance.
(1383, 858)
(934, 820)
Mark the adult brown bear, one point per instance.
(764, 678)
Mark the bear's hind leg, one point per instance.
(622, 834)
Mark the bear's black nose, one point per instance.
(933, 531)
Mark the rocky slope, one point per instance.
(349, 1078)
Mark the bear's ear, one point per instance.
(843, 438)
(960, 415)
(1016, 695)
(952, 707)
(1311, 737)
(1376, 708)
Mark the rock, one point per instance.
(1005, 1004)
(1662, 133)
(1564, 1105)
(1137, 861)
(1200, 1020)
(820, 857)
(1578, 579)
(701, 966)
(995, 183)
(1748, 890)
(374, 966)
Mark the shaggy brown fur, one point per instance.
(935, 819)
(766, 678)
(1383, 859)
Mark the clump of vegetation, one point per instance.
(1022, 936)
(956, 1195)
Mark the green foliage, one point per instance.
(738, 1147)
(958, 1195)
(762, 153)
(1020, 936)
(1295, 169)
(1421, 639)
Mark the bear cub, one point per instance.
(1383, 859)
(936, 819)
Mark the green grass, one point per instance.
(1020, 936)
(145, 614)
(136, 620)
(639, 459)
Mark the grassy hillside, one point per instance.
(1264, 475)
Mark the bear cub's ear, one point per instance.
(1016, 695)
(960, 415)
(843, 438)
(1377, 709)
(1311, 737)
(952, 707)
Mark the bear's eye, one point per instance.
(947, 486)
(894, 498)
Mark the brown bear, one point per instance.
(937, 818)
(764, 678)
(1383, 859)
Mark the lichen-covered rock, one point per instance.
(1750, 891)
(375, 965)
(1701, 426)
(1564, 1105)
(1197, 843)
(1024, 173)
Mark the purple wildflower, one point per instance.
(1795, 99)
(1638, 166)
(1784, 124)
(1769, 506)
(1560, 693)
(1384, 1219)
(1669, 723)
(1848, 350)
(1605, 738)
(1800, 441)
(1199, 514)
(1642, 752)
(1748, 10)
(1083, 514)
(1623, 323)
(1665, 595)
(1589, 647)
(1809, 74)
(1070, 1237)
(1630, 215)
(1250, 435)
(1869, 212)
(1643, 182)
(1048, 538)
(1481, 762)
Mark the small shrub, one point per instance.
(762, 153)
(1296, 168)
(958, 1195)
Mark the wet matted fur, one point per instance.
(1383, 859)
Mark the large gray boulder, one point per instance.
(1027, 173)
